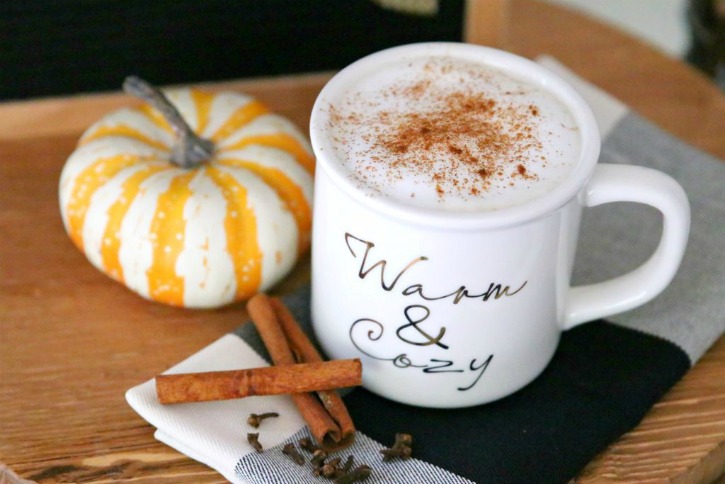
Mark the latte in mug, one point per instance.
(449, 187)
(449, 134)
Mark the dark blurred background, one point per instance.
(71, 46)
(706, 19)
(56, 47)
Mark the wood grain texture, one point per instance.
(487, 22)
(72, 341)
(682, 439)
(679, 99)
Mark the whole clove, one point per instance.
(401, 448)
(291, 451)
(330, 468)
(328, 471)
(403, 452)
(253, 440)
(254, 420)
(307, 444)
(318, 458)
(348, 464)
(334, 468)
(402, 440)
(360, 473)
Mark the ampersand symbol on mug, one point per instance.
(413, 323)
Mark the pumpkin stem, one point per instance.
(191, 150)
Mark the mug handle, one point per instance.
(626, 183)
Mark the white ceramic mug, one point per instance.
(453, 309)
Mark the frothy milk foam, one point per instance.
(450, 134)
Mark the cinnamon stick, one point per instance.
(306, 352)
(276, 380)
(327, 419)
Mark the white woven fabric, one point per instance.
(214, 433)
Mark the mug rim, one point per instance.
(518, 66)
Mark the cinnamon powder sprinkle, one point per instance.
(462, 141)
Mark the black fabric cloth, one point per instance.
(73, 46)
(599, 385)
(601, 382)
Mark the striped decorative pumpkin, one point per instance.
(219, 230)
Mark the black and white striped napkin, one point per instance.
(603, 379)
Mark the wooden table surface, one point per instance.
(72, 341)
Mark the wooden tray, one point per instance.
(72, 341)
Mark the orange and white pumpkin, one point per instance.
(200, 236)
